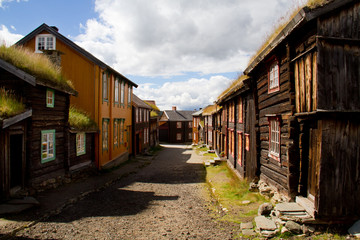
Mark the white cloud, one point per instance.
(185, 95)
(167, 38)
(7, 1)
(8, 38)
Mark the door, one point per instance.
(314, 160)
(16, 162)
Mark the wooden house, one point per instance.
(141, 125)
(81, 135)
(209, 125)
(237, 122)
(154, 123)
(175, 126)
(198, 120)
(307, 85)
(104, 93)
(34, 141)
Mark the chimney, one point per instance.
(174, 108)
(55, 28)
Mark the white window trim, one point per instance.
(274, 138)
(45, 36)
(274, 77)
(80, 143)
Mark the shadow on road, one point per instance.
(175, 165)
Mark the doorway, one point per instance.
(16, 161)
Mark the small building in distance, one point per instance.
(175, 126)
(141, 125)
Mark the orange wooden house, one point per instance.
(103, 92)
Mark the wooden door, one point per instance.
(314, 162)
(16, 164)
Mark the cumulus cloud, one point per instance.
(166, 38)
(185, 95)
(8, 38)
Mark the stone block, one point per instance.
(262, 223)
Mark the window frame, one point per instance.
(50, 105)
(105, 87)
(122, 93)
(81, 142)
(178, 125)
(116, 128)
(116, 90)
(46, 37)
(105, 135)
(46, 132)
(129, 95)
(177, 136)
(273, 69)
(241, 111)
(274, 144)
(240, 148)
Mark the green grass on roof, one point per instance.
(312, 4)
(9, 104)
(80, 120)
(153, 106)
(234, 84)
(154, 114)
(37, 65)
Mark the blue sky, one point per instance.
(181, 53)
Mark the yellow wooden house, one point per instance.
(104, 93)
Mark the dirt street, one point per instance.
(164, 200)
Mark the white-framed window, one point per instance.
(80, 144)
(116, 90)
(273, 78)
(45, 42)
(50, 98)
(274, 138)
(48, 150)
(105, 87)
(178, 136)
(178, 124)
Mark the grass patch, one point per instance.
(231, 194)
(10, 105)
(80, 120)
(212, 155)
(37, 65)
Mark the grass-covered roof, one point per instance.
(79, 120)
(311, 4)
(234, 86)
(10, 105)
(37, 65)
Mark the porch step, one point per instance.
(292, 211)
(307, 204)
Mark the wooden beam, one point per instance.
(10, 121)
(18, 72)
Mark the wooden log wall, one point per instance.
(45, 118)
(279, 103)
(339, 188)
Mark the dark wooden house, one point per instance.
(33, 143)
(141, 125)
(237, 122)
(198, 131)
(209, 114)
(307, 83)
(175, 126)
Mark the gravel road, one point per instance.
(164, 200)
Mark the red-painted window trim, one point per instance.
(241, 110)
(240, 148)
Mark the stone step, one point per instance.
(262, 223)
(307, 204)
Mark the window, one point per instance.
(273, 78)
(122, 93)
(47, 146)
(50, 98)
(178, 124)
(178, 136)
(129, 95)
(122, 121)
(116, 132)
(190, 136)
(240, 149)
(274, 139)
(45, 42)
(80, 144)
(116, 91)
(189, 124)
(240, 110)
(105, 87)
(105, 134)
(247, 142)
